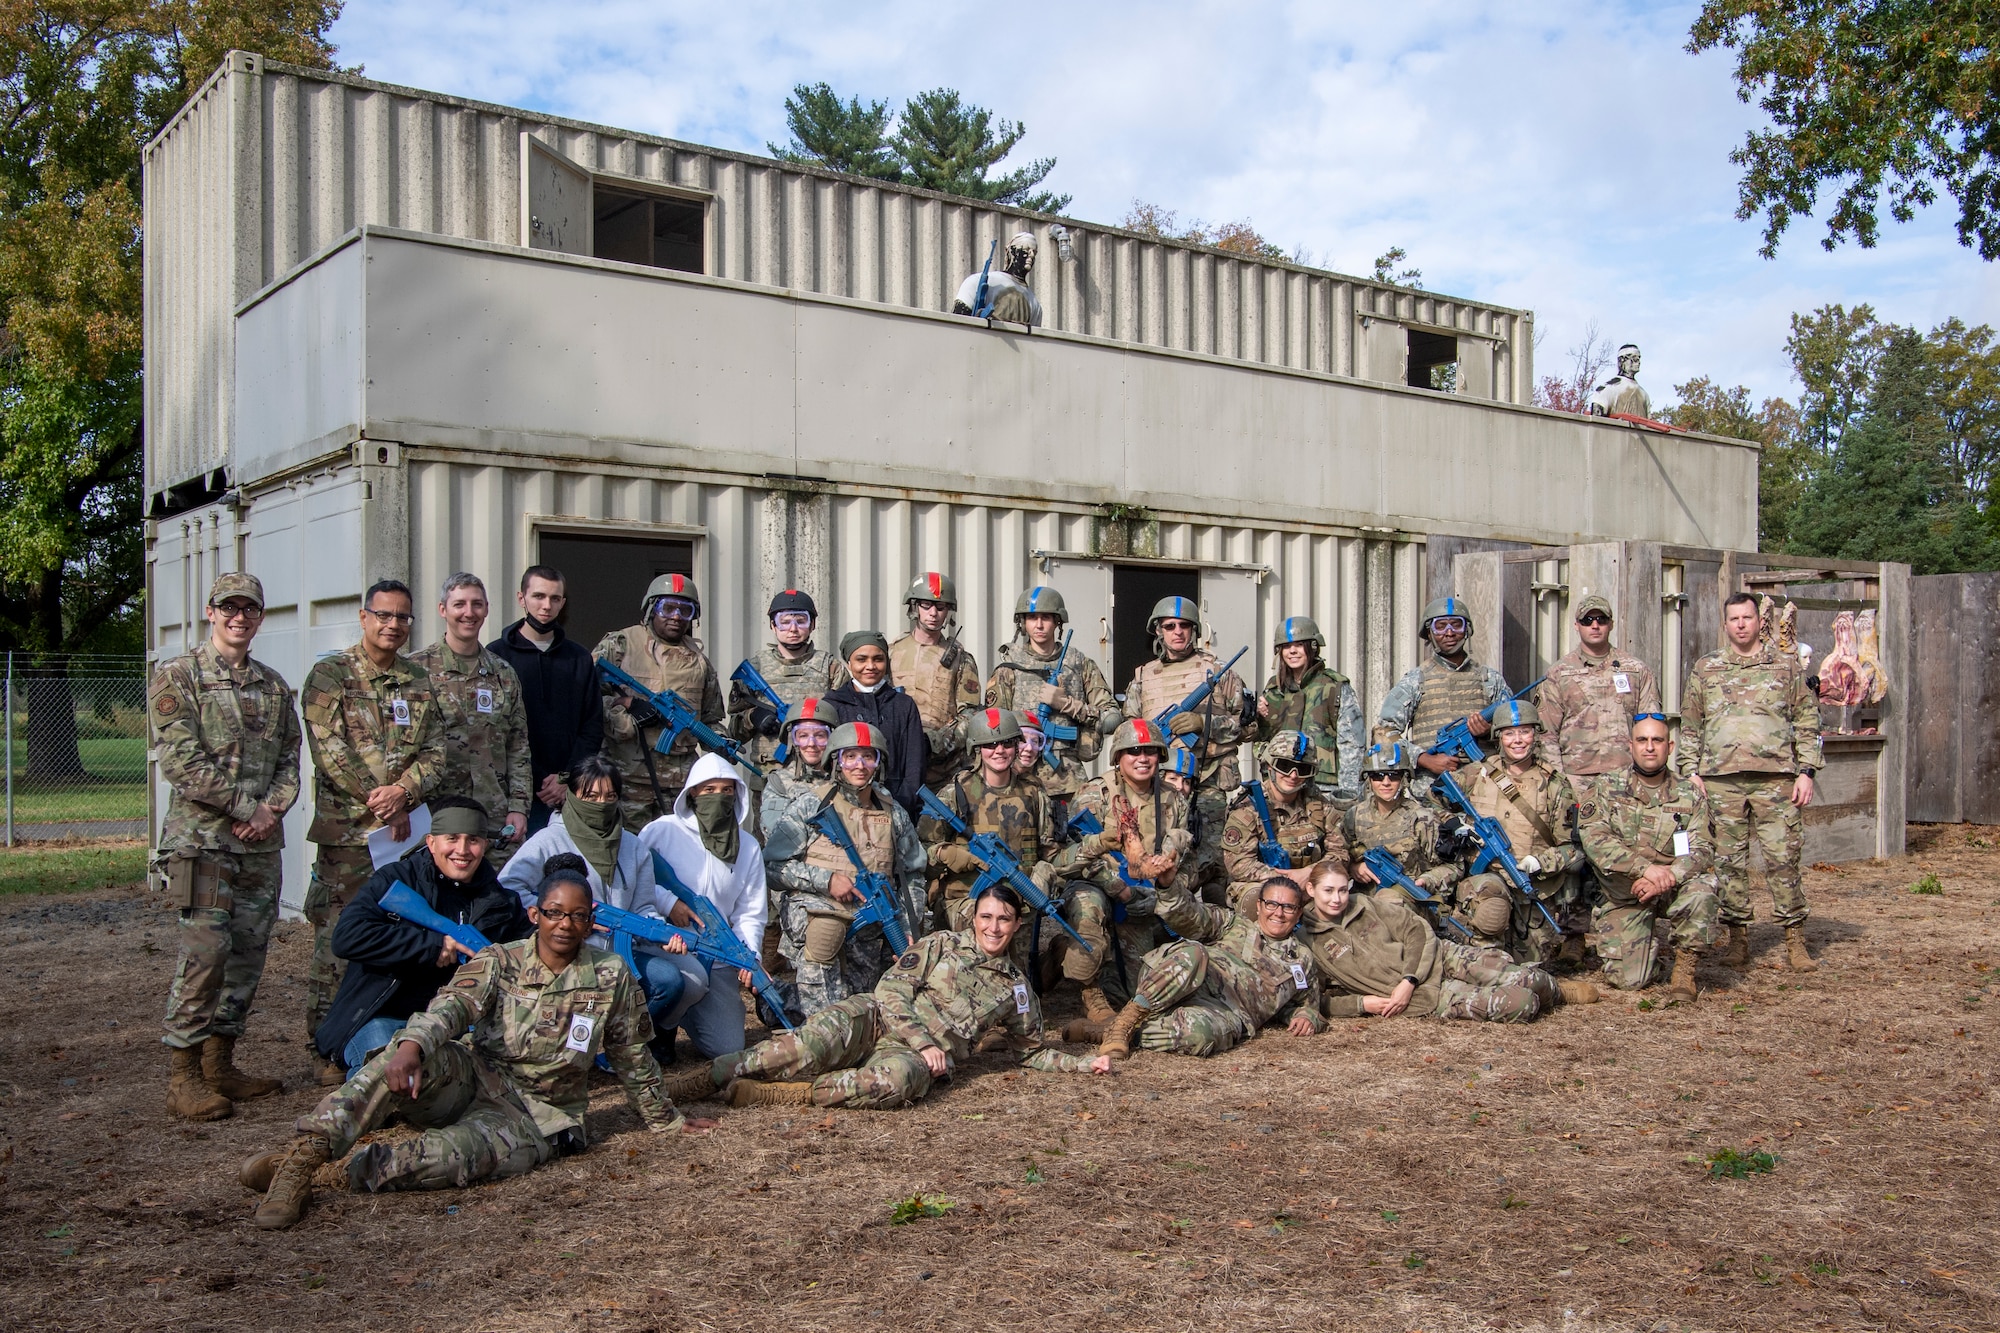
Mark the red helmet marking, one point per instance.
(935, 582)
(863, 734)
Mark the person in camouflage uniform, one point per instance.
(1178, 667)
(1646, 831)
(1121, 873)
(819, 900)
(1391, 817)
(1532, 802)
(1080, 696)
(660, 653)
(792, 665)
(1222, 980)
(931, 666)
(1381, 959)
(504, 1099)
(1306, 695)
(227, 739)
(1304, 824)
(485, 722)
(1750, 743)
(884, 1050)
(376, 730)
(1589, 698)
(1448, 686)
(989, 798)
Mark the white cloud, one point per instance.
(1568, 158)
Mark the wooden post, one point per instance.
(1892, 624)
(1476, 577)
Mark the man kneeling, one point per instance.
(883, 1050)
(1383, 959)
(504, 1100)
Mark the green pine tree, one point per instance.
(949, 145)
(846, 136)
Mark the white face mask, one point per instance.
(868, 689)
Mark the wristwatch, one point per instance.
(1808, 771)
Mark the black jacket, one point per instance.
(392, 966)
(894, 714)
(564, 700)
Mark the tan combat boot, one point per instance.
(1796, 956)
(1097, 1005)
(1570, 956)
(1117, 1041)
(1680, 986)
(751, 1092)
(291, 1185)
(218, 1068)
(691, 1085)
(258, 1168)
(1083, 1030)
(1576, 992)
(1736, 953)
(188, 1094)
(327, 1073)
(993, 1039)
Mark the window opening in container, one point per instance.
(635, 227)
(1433, 362)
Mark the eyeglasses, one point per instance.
(1448, 625)
(1291, 766)
(390, 617)
(1649, 717)
(238, 611)
(1283, 909)
(792, 620)
(556, 917)
(1594, 618)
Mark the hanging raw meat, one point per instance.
(1788, 630)
(1868, 652)
(1840, 681)
(1767, 612)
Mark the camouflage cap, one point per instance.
(1594, 602)
(238, 584)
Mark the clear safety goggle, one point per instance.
(792, 620)
(811, 733)
(1448, 625)
(679, 608)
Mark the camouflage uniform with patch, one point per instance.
(227, 740)
(1087, 704)
(1158, 685)
(485, 735)
(1626, 826)
(1533, 806)
(1376, 943)
(810, 677)
(1409, 830)
(681, 667)
(865, 1053)
(1307, 827)
(512, 1095)
(1323, 706)
(1220, 982)
(1119, 933)
(368, 727)
(1587, 718)
(1749, 726)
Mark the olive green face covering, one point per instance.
(715, 816)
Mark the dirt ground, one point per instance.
(1410, 1174)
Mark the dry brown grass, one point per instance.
(1410, 1175)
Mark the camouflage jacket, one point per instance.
(797, 873)
(1747, 715)
(1586, 717)
(1159, 685)
(1627, 825)
(536, 1034)
(1326, 709)
(1019, 813)
(808, 678)
(1308, 829)
(1404, 701)
(368, 726)
(485, 730)
(1264, 980)
(681, 667)
(227, 740)
(1409, 829)
(940, 693)
(945, 992)
(790, 797)
(1532, 806)
(1370, 949)
(1159, 818)
(1087, 703)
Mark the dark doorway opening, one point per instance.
(1134, 591)
(1430, 354)
(606, 576)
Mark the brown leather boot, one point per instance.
(993, 1039)
(218, 1068)
(1083, 1029)
(257, 1169)
(692, 1085)
(1570, 957)
(751, 1092)
(1736, 953)
(327, 1073)
(1680, 986)
(1117, 1041)
(188, 1093)
(1796, 956)
(1097, 1005)
(291, 1185)
(1577, 992)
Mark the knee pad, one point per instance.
(1490, 915)
(826, 934)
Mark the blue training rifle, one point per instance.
(676, 717)
(1199, 694)
(1494, 848)
(1053, 730)
(403, 901)
(1269, 850)
(1382, 863)
(879, 905)
(982, 307)
(751, 679)
(1455, 737)
(712, 941)
(998, 864)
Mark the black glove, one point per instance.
(765, 718)
(643, 713)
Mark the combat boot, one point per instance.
(692, 1085)
(1576, 992)
(751, 1092)
(188, 1093)
(1736, 953)
(1117, 1041)
(258, 1168)
(327, 1073)
(1082, 1030)
(993, 1039)
(1570, 957)
(1680, 986)
(1097, 1005)
(218, 1068)
(291, 1185)
(1796, 956)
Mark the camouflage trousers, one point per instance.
(1488, 985)
(1188, 1013)
(1742, 806)
(1117, 947)
(223, 947)
(1528, 936)
(469, 1134)
(842, 1050)
(816, 984)
(337, 875)
(1629, 944)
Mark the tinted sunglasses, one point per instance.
(1650, 717)
(1594, 618)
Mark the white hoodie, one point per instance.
(631, 887)
(736, 890)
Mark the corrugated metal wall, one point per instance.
(318, 155)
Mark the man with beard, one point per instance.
(660, 653)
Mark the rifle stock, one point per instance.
(1382, 863)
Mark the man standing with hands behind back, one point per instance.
(559, 690)
(372, 720)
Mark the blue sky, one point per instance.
(1569, 158)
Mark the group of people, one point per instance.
(921, 855)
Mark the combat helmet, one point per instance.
(932, 587)
(1298, 629)
(1513, 713)
(806, 710)
(1137, 733)
(1174, 608)
(989, 726)
(1041, 601)
(1444, 606)
(670, 585)
(1389, 757)
(1182, 759)
(1291, 746)
(857, 736)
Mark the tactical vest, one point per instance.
(680, 667)
(1446, 695)
(1402, 829)
(874, 834)
(1502, 796)
(1018, 689)
(1160, 685)
(807, 678)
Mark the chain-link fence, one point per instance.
(74, 727)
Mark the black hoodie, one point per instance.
(894, 714)
(562, 695)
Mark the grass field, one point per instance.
(115, 786)
(59, 868)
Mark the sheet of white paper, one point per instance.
(383, 847)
